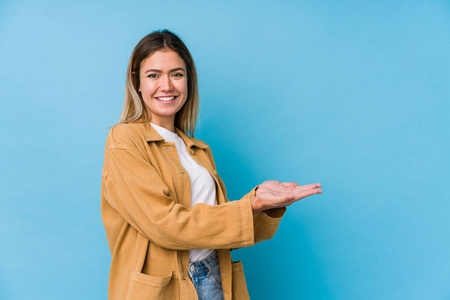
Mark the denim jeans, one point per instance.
(205, 275)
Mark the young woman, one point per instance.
(169, 224)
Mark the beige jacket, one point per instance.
(150, 224)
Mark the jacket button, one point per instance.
(181, 172)
(183, 278)
(215, 172)
(192, 152)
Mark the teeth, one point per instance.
(166, 98)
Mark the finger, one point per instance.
(309, 186)
(287, 200)
(300, 194)
(305, 193)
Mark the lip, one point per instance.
(165, 101)
(161, 96)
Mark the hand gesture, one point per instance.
(275, 194)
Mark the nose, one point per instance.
(166, 84)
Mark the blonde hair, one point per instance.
(134, 107)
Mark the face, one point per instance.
(163, 86)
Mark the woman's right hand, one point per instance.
(274, 194)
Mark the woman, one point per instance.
(169, 224)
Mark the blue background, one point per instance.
(352, 94)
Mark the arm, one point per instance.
(265, 223)
(133, 187)
(269, 201)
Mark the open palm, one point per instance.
(274, 194)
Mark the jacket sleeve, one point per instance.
(265, 223)
(133, 187)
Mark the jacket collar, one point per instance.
(151, 135)
(189, 141)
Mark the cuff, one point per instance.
(247, 220)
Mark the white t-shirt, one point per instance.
(203, 187)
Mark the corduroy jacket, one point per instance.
(150, 224)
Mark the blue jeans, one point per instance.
(205, 275)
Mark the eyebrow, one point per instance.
(159, 71)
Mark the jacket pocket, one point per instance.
(239, 286)
(143, 286)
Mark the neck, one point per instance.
(168, 126)
(167, 122)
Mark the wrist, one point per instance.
(256, 204)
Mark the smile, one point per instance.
(170, 98)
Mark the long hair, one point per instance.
(134, 106)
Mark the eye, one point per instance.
(152, 76)
(178, 75)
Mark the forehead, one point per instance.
(162, 60)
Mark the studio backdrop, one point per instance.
(351, 94)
